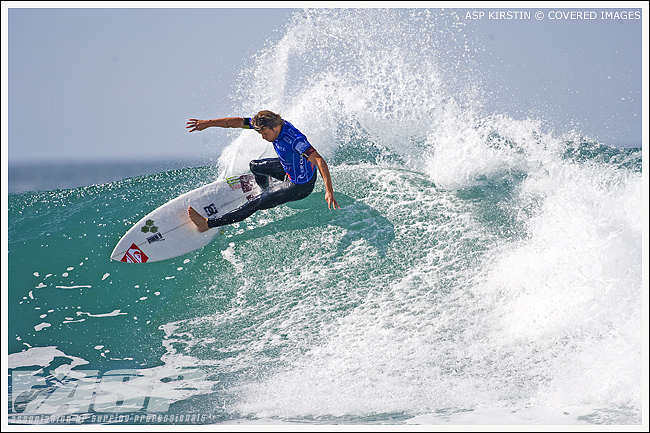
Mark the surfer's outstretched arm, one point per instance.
(224, 122)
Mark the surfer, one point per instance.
(294, 167)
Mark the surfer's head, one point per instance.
(268, 124)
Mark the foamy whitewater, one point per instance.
(482, 270)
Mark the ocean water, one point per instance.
(481, 271)
(42, 176)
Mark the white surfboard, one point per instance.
(167, 232)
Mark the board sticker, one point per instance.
(155, 238)
(234, 182)
(210, 210)
(247, 182)
(149, 227)
(135, 255)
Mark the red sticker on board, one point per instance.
(135, 255)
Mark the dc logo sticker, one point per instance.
(135, 255)
(210, 210)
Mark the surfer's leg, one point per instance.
(235, 216)
(285, 192)
(276, 195)
(263, 168)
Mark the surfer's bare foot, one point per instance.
(200, 222)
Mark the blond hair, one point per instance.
(266, 119)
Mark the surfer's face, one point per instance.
(270, 134)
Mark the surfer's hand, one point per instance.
(200, 222)
(196, 125)
(331, 201)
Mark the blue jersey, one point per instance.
(291, 146)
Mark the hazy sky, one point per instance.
(579, 67)
(121, 83)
